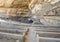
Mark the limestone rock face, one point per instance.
(9, 3)
(14, 8)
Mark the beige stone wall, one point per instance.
(14, 12)
(14, 8)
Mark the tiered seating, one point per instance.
(16, 31)
(48, 34)
(11, 33)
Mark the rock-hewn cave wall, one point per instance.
(14, 8)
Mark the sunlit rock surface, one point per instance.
(44, 13)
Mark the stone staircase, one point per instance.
(10, 32)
